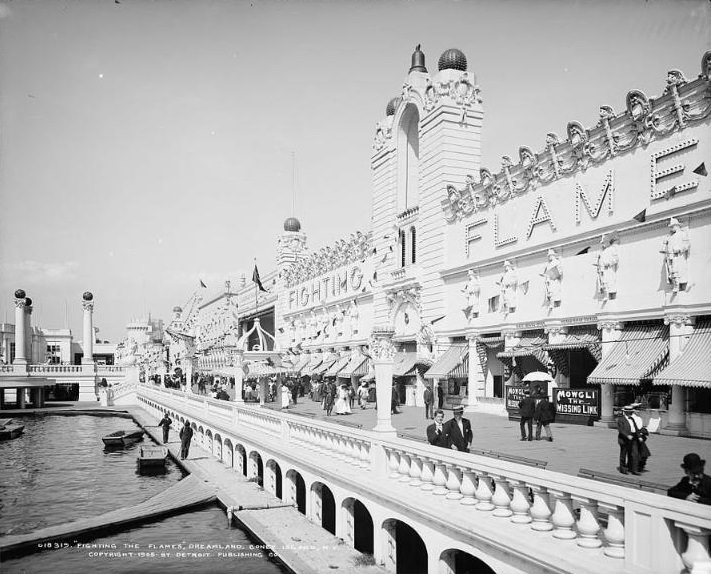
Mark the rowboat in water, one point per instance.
(10, 429)
(152, 457)
(122, 438)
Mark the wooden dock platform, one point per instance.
(188, 493)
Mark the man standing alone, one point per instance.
(527, 408)
(458, 431)
(435, 432)
(428, 398)
(186, 435)
(165, 423)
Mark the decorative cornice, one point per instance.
(87, 305)
(20, 303)
(644, 120)
(679, 319)
(610, 325)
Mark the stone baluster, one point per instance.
(563, 518)
(520, 503)
(365, 455)
(404, 467)
(324, 441)
(427, 475)
(501, 498)
(468, 487)
(540, 510)
(440, 479)
(342, 448)
(484, 493)
(415, 470)
(697, 547)
(454, 483)
(354, 451)
(588, 525)
(393, 463)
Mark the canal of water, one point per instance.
(59, 471)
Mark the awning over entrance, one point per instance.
(338, 366)
(453, 363)
(357, 366)
(693, 367)
(639, 354)
(588, 339)
(528, 346)
(325, 365)
(308, 370)
(298, 362)
(404, 364)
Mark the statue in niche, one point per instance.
(607, 261)
(553, 277)
(508, 285)
(676, 252)
(353, 315)
(471, 292)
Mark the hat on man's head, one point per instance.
(458, 409)
(628, 408)
(693, 462)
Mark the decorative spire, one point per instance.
(418, 61)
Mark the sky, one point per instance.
(148, 145)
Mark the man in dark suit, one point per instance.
(527, 408)
(695, 486)
(458, 431)
(428, 398)
(627, 432)
(435, 432)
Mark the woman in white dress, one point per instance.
(285, 396)
(342, 406)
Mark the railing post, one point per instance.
(615, 531)
(427, 475)
(484, 493)
(440, 479)
(540, 511)
(520, 505)
(563, 518)
(415, 470)
(404, 467)
(454, 483)
(588, 526)
(468, 487)
(501, 498)
(697, 548)
(393, 463)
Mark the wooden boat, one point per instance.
(10, 429)
(152, 457)
(122, 438)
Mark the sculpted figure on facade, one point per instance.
(553, 277)
(471, 292)
(676, 252)
(353, 317)
(608, 259)
(509, 288)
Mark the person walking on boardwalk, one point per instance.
(695, 486)
(186, 435)
(435, 432)
(527, 409)
(329, 397)
(428, 398)
(544, 416)
(627, 439)
(363, 392)
(165, 422)
(458, 430)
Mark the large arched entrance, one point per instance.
(296, 490)
(358, 530)
(241, 461)
(460, 562)
(323, 507)
(405, 552)
(227, 453)
(273, 482)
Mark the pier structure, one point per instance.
(380, 493)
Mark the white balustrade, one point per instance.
(364, 455)
(697, 548)
(404, 468)
(501, 498)
(427, 475)
(588, 525)
(563, 518)
(393, 463)
(454, 483)
(540, 510)
(468, 487)
(484, 493)
(415, 471)
(440, 479)
(520, 503)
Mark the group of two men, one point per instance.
(456, 433)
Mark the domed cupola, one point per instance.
(452, 59)
(392, 106)
(292, 224)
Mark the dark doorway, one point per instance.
(328, 510)
(244, 461)
(260, 470)
(300, 493)
(581, 364)
(464, 562)
(411, 555)
(363, 529)
(277, 480)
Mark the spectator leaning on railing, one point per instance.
(695, 486)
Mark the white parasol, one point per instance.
(537, 376)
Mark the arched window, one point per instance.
(403, 248)
(413, 245)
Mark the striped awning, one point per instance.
(528, 346)
(575, 339)
(639, 354)
(300, 363)
(325, 365)
(338, 366)
(451, 360)
(308, 370)
(259, 369)
(356, 366)
(693, 367)
(369, 376)
(404, 364)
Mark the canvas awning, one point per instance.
(325, 365)
(693, 367)
(300, 363)
(356, 366)
(588, 339)
(338, 366)
(452, 363)
(528, 346)
(308, 370)
(404, 364)
(639, 354)
(259, 369)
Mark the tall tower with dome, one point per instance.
(291, 244)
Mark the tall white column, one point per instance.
(680, 328)
(88, 336)
(383, 352)
(28, 330)
(237, 360)
(20, 335)
(611, 330)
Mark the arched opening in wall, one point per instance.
(227, 453)
(296, 490)
(207, 441)
(363, 536)
(408, 150)
(459, 562)
(328, 510)
(274, 478)
(241, 461)
(403, 248)
(257, 468)
(217, 446)
(405, 551)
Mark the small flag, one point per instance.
(583, 251)
(256, 279)
(701, 170)
(671, 192)
(641, 216)
(202, 284)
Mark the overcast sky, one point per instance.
(146, 145)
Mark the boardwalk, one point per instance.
(188, 493)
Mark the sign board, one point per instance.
(577, 402)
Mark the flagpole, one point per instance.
(256, 290)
